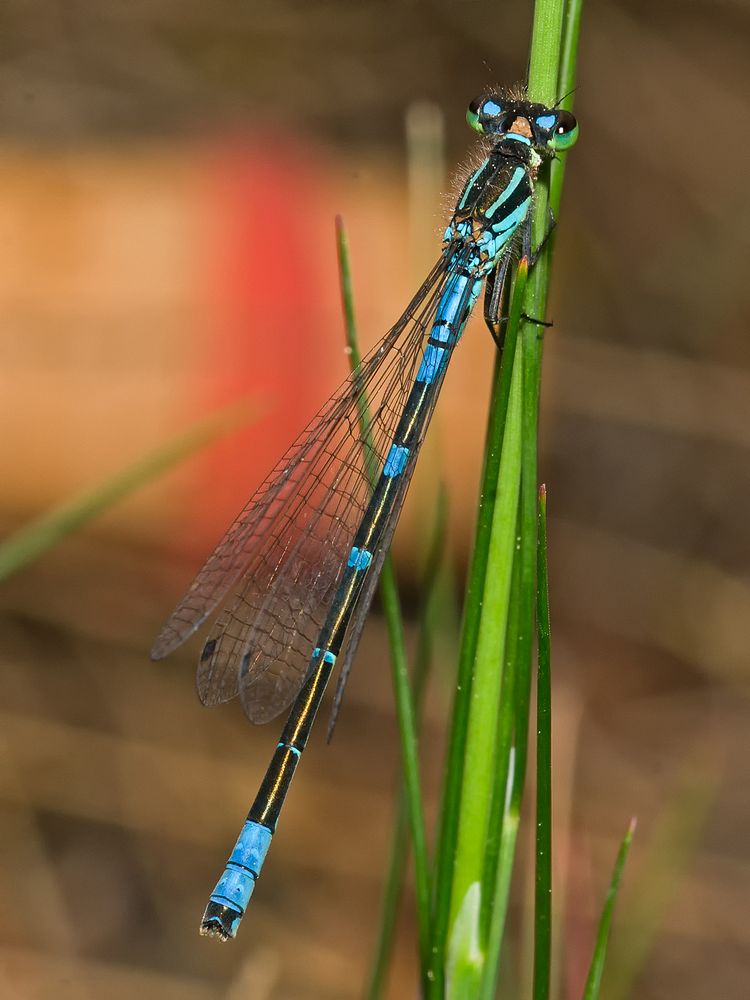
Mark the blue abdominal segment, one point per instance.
(359, 558)
(328, 657)
(394, 464)
(432, 363)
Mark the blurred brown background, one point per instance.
(169, 173)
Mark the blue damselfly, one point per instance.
(302, 560)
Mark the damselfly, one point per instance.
(301, 562)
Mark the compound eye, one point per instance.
(565, 131)
(483, 113)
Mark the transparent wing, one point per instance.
(283, 555)
(263, 640)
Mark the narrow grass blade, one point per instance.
(594, 979)
(543, 867)
(41, 534)
(405, 709)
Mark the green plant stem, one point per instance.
(399, 669)
(543, 83)
(545, 55)
(543, 867)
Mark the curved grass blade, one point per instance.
(35, 538)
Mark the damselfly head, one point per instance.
(549, 130)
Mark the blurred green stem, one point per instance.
(41, 534)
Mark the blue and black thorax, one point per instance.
(494, 201)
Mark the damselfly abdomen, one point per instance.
(297, 570)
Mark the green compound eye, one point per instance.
(565, 131)
(472, 117)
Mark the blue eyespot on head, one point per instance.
(483, 113)
(546, 121)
